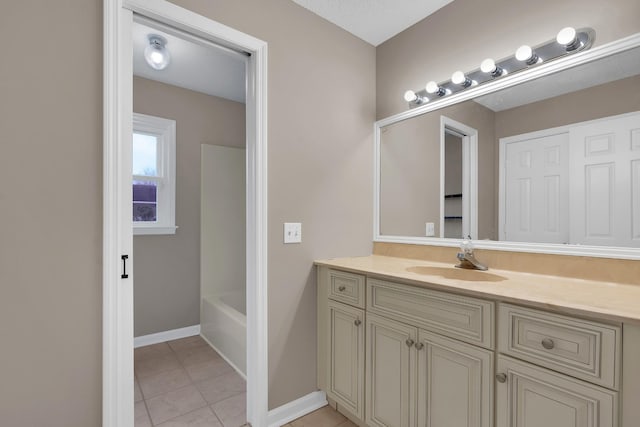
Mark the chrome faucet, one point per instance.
(467, 259)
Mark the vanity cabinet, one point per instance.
(565, 362)
(341, 339)
(428, 356)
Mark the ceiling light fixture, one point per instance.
(156, 54)
(568, 41)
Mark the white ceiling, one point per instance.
(194, 65)
(374, 21)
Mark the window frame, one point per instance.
(165, 132)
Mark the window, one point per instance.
(154, 175)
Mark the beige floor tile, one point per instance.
(199, 418)
(137, 393)
(187, 343)
(174, 404)
(149, 367)
(323, 417)
(141, 415)
(195, 355)
(208, 369)
(163, 382)
(219, 388)
(232, 412)
(151, 351)
(347, 423)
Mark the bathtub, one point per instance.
(223, 324)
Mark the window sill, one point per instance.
(141, 231)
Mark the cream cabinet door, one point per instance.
(454, 383)
(391, 368)
(529, 396)
(346, 357)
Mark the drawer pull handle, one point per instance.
(341, 288)
(419, 346)
(548, 343)
(501, 378)
(357, 322)
(409, 342)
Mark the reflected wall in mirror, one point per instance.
(543, 174)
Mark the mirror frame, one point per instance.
(541, 70)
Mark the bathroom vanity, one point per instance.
(405, 342)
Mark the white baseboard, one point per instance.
(159, 337)
(290, 411)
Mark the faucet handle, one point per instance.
(467, 246)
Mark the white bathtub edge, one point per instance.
(226, 359)
(159, 337)
(297, 408)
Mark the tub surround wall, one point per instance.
(167, 267)
(222, 220)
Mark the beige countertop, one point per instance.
(604, 300)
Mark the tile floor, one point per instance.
(323, 417)
(186, 383)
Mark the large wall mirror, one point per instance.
(544, 160)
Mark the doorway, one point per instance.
(117, 231)
(458, 180)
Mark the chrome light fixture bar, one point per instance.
(567, 42)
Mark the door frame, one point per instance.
(117, 364)
(469, 137)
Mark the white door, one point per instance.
(605, 175)
(536, 190)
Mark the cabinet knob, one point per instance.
(419, 346)
(501, 378)
(357, 322)
(409, 342)
(548, 343)
(341, 288)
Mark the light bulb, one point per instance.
(527, 55)
(432, 87)
(156, 54)
(524, 52)
(410, 96)
(488, 66)
(459, 78)
(568, 38)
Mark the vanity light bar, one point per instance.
(567, 42)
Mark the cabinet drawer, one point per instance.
(527, 395)
(464, 318)
(580, 348)
(346, 287)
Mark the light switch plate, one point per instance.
(292, 232)
(430, 229)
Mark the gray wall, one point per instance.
(167, 267)
(321, 100)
